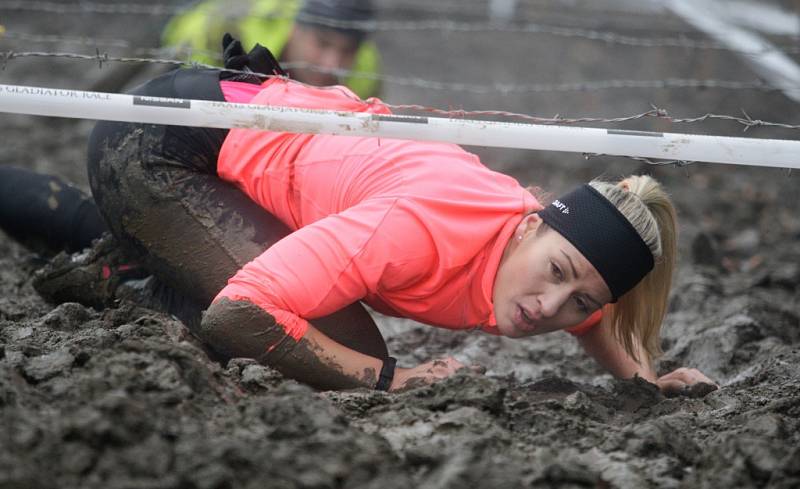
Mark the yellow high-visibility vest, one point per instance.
(267, 22)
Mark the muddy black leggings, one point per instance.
(158, 190)
(46, 212)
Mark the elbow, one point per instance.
(240, 329)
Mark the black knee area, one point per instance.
(241, 329)
(47, 209)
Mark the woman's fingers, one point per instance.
(688, 375)
(477, 369)
(445, 367)
(671, 388)
(686, 382)
(701, 389)
(474, 368)
(430, 372)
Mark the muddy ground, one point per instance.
(122, 398)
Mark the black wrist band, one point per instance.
(387, 374)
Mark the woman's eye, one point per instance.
(582, 306)
(556, 271)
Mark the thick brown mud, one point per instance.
(126, 398)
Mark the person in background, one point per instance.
(315, 40)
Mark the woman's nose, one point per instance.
(552, 300)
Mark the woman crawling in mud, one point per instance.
(278, 236)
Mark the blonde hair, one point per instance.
(638, 314)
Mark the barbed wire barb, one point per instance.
(750, 122)
(649, 161)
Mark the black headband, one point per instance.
(603, 235)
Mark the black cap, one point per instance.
(347, 16)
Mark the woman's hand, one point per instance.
(686, 381)
(428, 373)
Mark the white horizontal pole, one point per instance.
(203, 113)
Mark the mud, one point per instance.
(126, 398)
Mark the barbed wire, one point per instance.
(54, 39)
(160, 9)
(607, 37)
(512, 88)
(440, 6)
(173, 51)
(92, 7)
(81, 6)
(101, 58)
(502, 88)
(600, 36)
(654, 113)
(649, 161)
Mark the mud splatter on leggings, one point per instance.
(158, 189)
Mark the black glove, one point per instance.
(258, 60)
(231, 48)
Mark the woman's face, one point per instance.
(544, 283)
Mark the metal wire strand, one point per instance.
(655, 112)
(604, 36)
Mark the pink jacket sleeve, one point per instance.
(334, 262)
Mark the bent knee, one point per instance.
(239, 328)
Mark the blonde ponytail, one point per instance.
(638, 314)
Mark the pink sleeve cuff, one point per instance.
(294, 325)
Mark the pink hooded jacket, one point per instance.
(414, 229)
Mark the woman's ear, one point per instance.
(528, 224)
